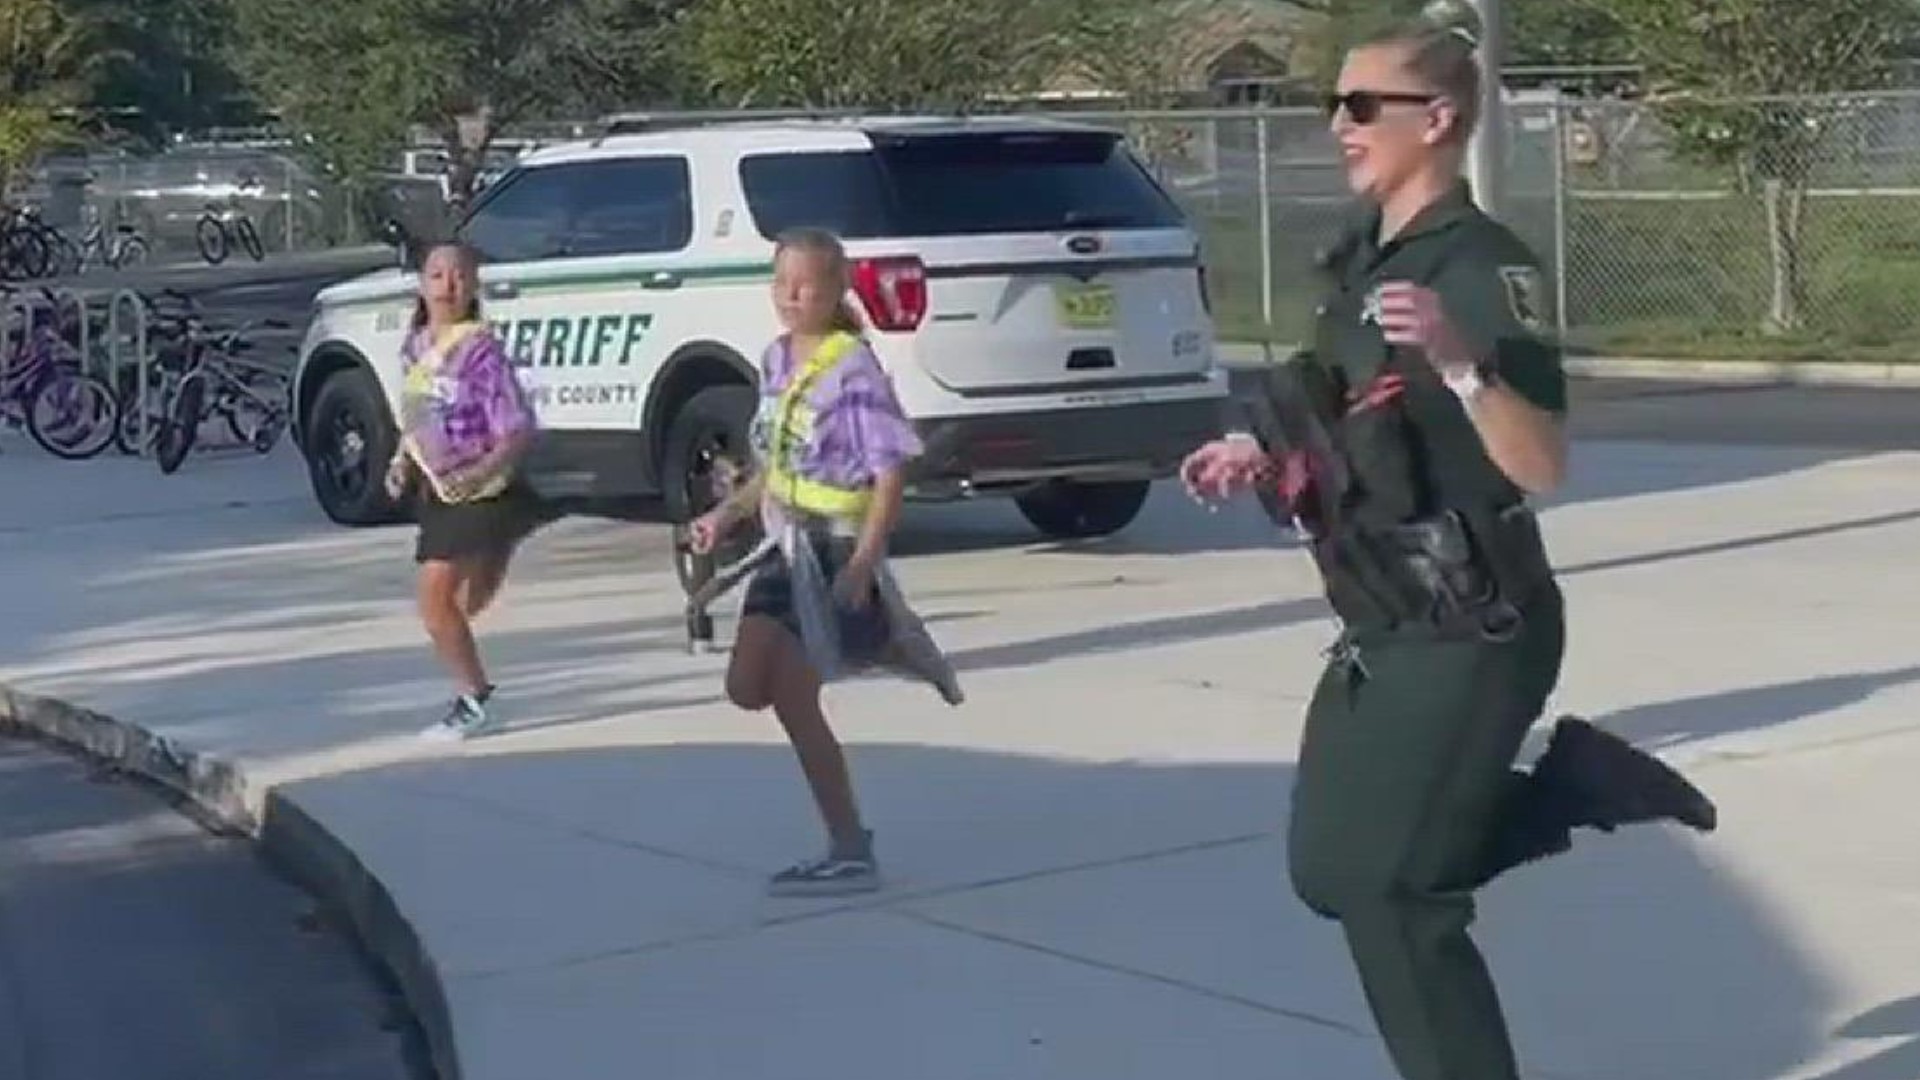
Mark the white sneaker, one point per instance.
(466, 718)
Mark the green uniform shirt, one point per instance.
(1489, 283)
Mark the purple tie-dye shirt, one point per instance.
(466, 408)
(860, 430)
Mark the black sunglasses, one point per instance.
(1364, 105)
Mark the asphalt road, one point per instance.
(135, 944)
(1642, 409)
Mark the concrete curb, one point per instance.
(1732, 372)
(1772, 372)
(291, 840)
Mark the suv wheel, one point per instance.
(1066, 510)
(349, 441)
(706, 450)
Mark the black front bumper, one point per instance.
(1020, 450)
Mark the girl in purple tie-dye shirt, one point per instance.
(464, 425)
(831, 440)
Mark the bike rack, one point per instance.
(63, 300)
(22, 304)
(17, 302)
(116, 346)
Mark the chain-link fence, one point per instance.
(189, 203)
(1807, 244)
(1776, 227)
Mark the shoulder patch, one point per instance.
(1525, 296)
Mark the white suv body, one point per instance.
(1037, 298)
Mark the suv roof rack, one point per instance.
(640, 123)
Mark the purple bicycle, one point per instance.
(71, 414)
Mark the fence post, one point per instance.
(1266, 222)
(1560, 217)
(286, 194)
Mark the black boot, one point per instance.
(1604, 782)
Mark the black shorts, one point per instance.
(489, 528)
(863, 634)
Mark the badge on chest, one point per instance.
(1370, 308)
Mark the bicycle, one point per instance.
(71, 413)
(172, 334)
(126, 247)
(217, 229)
(25, 253)
(251, 396)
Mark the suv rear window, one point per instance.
(958, 185)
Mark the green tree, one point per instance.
(1539, 32)
(880, 55)
(169, 67)
(1720, 73)
(46, 56)
(1564, 33)
(355, 76)
(614, 54)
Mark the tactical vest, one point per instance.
(1395, 553)
(788, 432)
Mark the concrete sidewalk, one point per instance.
(1087, 875)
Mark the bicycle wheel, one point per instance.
(244, 414)
(211, 236)
(182, 425)
(250, 238)
(266, 434)
(23, 254)
(73, 416)
(133, 252)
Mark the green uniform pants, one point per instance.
(1405, 802)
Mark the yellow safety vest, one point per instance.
(793, 429)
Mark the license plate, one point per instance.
(1084, 307)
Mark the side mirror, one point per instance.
(393, 234)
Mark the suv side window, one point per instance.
(524, 220)
(624, 206)
(633, 206)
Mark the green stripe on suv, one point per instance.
(535, 279)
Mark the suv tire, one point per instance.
(1066, 510)
(349, 441)
(710, 427)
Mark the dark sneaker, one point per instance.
(839, 874)
(1613, 783)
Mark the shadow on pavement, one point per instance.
(1894, 1020)
(1167, 880)
(1671, 723)
(133, 944)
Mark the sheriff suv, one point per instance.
(1038, 299)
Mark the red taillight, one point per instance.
(893, 290)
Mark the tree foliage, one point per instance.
(1564, 33)
(356, 75)
(167, 67)
(878, 55)
(1728, 79)
(47, 54)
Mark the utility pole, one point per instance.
(1488, 152)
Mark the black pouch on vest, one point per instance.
(1439, 552)
(1297, 409)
